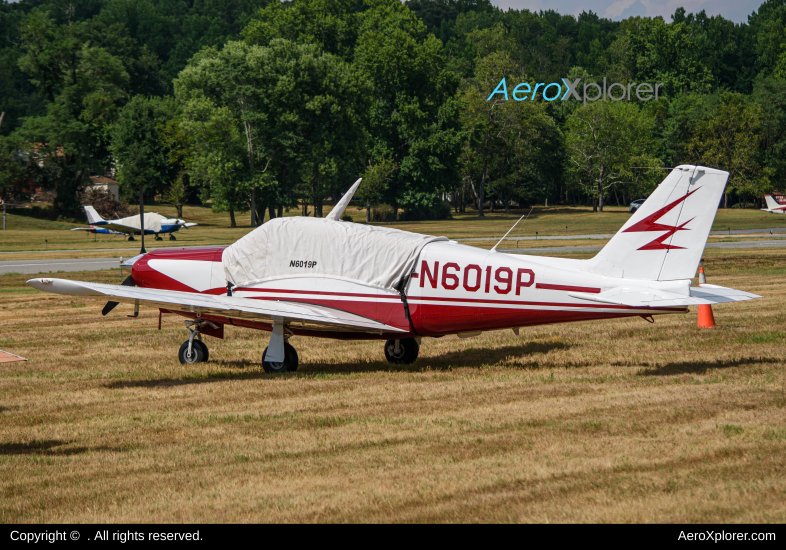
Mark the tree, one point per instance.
(730, 140)
(375, 183)
(486, 119)
(669, 54)
(140, 127)
(770, 94)
(177, 193)
(236, 78)
(12, 170)
(530, 157)
(607, 144)
(413, 116)
(298, 108)
(85, 86)
(330, 24)
(216, 159)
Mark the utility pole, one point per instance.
(2, 116)
(142, 218)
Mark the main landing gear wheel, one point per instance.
(288, 365)
(158, 238)
(172, 237)
(402, 352)
(198, 353)
(131, 238)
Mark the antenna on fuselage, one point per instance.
(511, 229)
(338, 210)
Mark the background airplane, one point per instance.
(773, 206)
(155, 224)
(300, 276)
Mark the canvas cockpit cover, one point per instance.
(315, 247)
(153, 222)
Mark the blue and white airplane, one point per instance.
(155, 224)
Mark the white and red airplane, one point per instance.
(773, 206)
(328, 278)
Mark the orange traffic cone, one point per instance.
(706, 319)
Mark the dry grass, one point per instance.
(29, 234)
(615, 421)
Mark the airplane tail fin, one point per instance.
(664, 239)
(772, 204)
(92, 215)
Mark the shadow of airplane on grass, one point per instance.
(700, 367)
(239, 370)
(47, 447)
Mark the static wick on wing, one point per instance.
(511, 229)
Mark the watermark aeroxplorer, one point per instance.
(615, 92)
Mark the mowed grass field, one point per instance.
(610, 421)
(26, 234)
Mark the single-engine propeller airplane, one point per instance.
(155, 224)
(773, 206)
(330, 278)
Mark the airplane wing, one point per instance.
(705, 294)
(119, 227)
(101, 229)
(295, 314)
(122, 228)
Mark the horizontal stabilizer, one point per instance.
(701, 295)
(306, 316)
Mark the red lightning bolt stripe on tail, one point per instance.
(650, 224)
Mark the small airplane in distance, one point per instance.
(772, 205)
(300, 276)
(155, 224)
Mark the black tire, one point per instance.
(197, 353)
(158, 238)
(408, 351)
(206, 351)
(131, 238)
(172, 237)
(288, 365)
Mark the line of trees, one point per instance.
(257, 106)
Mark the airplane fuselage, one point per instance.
(165, 228)
(455, 289)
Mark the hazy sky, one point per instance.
(734, 10)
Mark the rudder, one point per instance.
(772, 204)
(92, 215)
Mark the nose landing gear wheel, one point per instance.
(199, 353)
(289, 364)
(158, 238)
(172, 237)
(404, 354)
